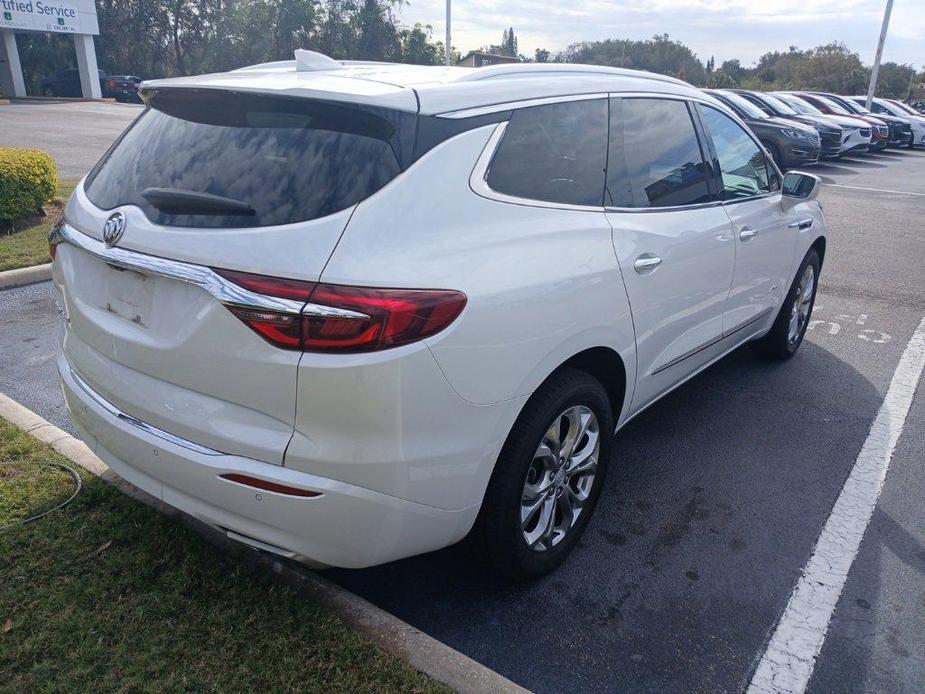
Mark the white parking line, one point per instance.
(874, 190)
(788, 662)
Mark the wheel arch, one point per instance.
(819, 246)
(607, 366)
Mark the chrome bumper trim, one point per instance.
(135, 422)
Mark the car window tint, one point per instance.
(290, 160)
(555, 153)
(662, 155)
(742, 164)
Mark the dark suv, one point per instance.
(828, 128)
(791, 144)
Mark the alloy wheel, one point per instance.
(560, 478)
(799, 312)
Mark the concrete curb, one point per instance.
(59, 100)
(423, 652)
(25, 275)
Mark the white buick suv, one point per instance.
(351, 312)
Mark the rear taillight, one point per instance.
(384, 317)
(342, 319)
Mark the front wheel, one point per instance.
(548, 477)
(786, 335)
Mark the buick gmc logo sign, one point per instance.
(113, 229)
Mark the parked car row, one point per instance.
(800, 127)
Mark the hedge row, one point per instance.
(28, 179)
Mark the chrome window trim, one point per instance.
(520, 103)
(478, 179)
(223, 290)
(135, 422)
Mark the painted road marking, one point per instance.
(877, 337)
(874, 190)
(788, 662)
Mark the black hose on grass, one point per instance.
(78, 483)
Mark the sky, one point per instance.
(743, 29)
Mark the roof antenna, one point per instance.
(308, 61)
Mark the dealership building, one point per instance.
(75, 17)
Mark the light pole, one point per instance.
(876, 68)
(447, 49)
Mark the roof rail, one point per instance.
(535, 69)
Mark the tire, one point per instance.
(781, 343)
(499, 536)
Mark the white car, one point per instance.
(350, 312)
(891, 108)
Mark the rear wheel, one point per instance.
(548, 477)
(786, 335)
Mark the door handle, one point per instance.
(746, 233)
(646, 263)
(801, 224)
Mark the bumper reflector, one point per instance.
(257, 483)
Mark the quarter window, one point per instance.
(743, 166)
(654, 145)
(556, 152)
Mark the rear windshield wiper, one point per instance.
(177, 201)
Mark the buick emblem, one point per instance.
(113, 229)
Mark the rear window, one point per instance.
(249, 160)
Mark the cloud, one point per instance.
(743, 29)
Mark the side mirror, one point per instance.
(799, 187)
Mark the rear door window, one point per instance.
(284, 160)
(657, 144)
(556, 153)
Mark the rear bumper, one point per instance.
(346, 525)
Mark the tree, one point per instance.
(894, 81)
(831, 68)
(417, 48)
(710, 64)
(721, 80)
(659, 54)
(733, 69)
(508, 44)
(376, 33)
(541, 55)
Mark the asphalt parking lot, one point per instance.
(76, 134)
(715, 496)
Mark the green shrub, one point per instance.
(28, 179)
